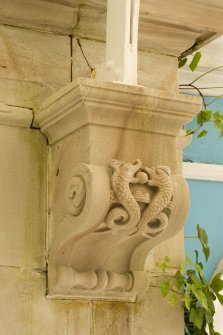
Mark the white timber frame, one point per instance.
(199, 171)
(121, 42)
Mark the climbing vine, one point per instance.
(190, 286)
(206, 115)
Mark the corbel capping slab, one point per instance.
(90, 102)
(15, 116)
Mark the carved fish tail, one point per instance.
(131, 206)
(154, 211)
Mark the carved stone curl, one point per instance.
(114, 211)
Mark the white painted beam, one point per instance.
(200, 171)
(121, 42)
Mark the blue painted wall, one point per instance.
(206, 197)
(206, 209)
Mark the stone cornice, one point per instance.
(15, 116)
(136, 108)
(166, 27)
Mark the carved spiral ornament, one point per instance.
(76, 194)
(118, 219)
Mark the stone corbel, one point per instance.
(115, 187)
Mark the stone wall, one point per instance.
(34, 64)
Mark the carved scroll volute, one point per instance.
(87, 202)
(88, 196)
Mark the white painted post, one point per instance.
(121, 42)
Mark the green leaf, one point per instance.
(188, 289)
(188, 131)
(179, 279)
(189, 261)
(195, 61)
(197, 256)
(183, 267)
(165, 264)
(204, 241)
(218, 120)
(192, 315)
(204, 116)
(199, 294)
(211, 330)
(196, 281)
(220, 298)
(217, 283)
(187, 302)
(208, 317)
(182, 62)
(197, 317)
(165, 287)
(199, 269)
(201, 331)
(202, 235)
(202, 133)
(174, 298)
(210, 298)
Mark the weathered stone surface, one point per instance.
(112, 318)
(15, 116)
(57, 16)
(154, 315)
(25, 310)
(33, 64)
(150, 65)
(22, 197)
(166, 249)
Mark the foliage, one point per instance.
(206, 115)
(190, 286)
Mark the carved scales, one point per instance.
(134, 204)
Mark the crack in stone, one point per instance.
(82, 51)
(23, 269)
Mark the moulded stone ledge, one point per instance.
(114, 105)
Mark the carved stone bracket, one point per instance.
(113, 210)
(106, 214)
